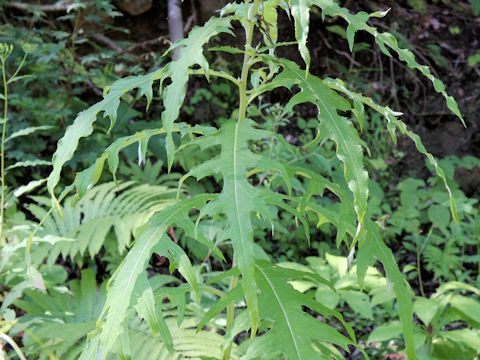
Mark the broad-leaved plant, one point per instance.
(259, 299)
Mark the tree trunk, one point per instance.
(175, 24)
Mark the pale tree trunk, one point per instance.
(175, 23)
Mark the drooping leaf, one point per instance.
(371, 248)
(148, 310)
(83, 123)
(152, 239)
(301, 13)
(191, 54)
(386, 41)
(293, 331)
(393, 122)
(333, 126)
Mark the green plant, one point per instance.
(419, 217)
(258, 298)
(448, 324)
(5, 53)
(121, 207)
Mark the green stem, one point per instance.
(14, 345)
(242, 111)
(419, 274)
(230, 317)
(419, 266)
(250, 25)
(2, 150)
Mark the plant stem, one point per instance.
(230, 317)
(2, 150)
(252, 12)
(419, 266)
(242, 111)
(14, 345)
(419, 274)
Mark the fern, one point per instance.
(122, 208)
(187, 341)
(292, 333)
(56, 326)
(58, 322)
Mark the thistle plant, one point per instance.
(259, 299)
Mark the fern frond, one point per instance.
(122, 208)
(188, 343)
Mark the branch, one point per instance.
(62, 5)
(144, 44)
(106, 41)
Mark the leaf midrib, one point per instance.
(283, 310)
(160, 228)
(320, 100)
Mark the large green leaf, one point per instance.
(173, 96)
(333, 126)
(83, 124)
(293, 332)
(126, 281)
(374, 249)
(238, 199)
(386, 41)
(191, 54)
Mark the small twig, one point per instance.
(94, 88)
(58, 6)
(14, 345)
(189, 23)
(106, 41)
(160, 39)
(192, 19)
(348, 56)
(173, 236)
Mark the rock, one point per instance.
(134, 7)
